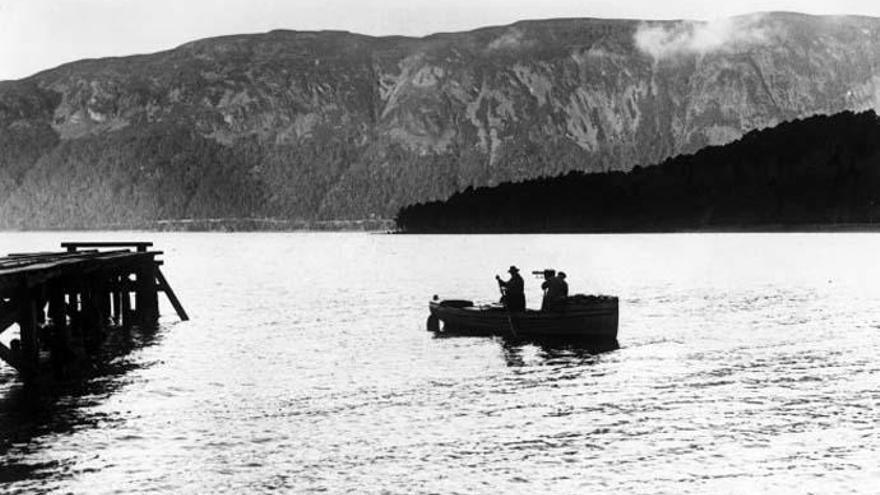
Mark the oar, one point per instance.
(507, 309)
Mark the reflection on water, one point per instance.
(543, 351)
(55, 406)
(746, 363)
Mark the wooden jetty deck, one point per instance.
(63, 302)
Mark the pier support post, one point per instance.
(75, 327)
(117, 299)
(166, 288)
(125, 295)
(61, 341)
(147, 297)
(93, 321)
(102, 298)
(27, 323)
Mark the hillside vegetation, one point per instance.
(821, 171)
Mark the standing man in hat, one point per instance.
(513, 290)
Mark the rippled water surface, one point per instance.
(746, 363)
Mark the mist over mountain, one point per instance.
(333, 125)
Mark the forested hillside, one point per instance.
(821, 171)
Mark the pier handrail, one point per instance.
(140, 246)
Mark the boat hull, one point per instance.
(594, 320)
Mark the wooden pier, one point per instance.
(64, 302)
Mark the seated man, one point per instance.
(513, 290)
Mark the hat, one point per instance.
(549, 272)
(561, 274)
(513, 269)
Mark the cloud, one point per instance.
(691, 37)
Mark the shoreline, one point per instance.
(751, 229)
(384, 227)
(230, 225)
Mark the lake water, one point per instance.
(747, 363)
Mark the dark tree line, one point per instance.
(823, 170)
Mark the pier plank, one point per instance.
(45, 269)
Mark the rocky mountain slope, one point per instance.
(334, 125)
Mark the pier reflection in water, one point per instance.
(49, 406)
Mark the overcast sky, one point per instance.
(41, 34)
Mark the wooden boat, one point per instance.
(583, 317)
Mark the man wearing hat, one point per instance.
(513, 290)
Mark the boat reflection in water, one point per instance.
(557, 351)
(517, 350)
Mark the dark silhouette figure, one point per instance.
(513, 290)
(561, 276)
(554, 292)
